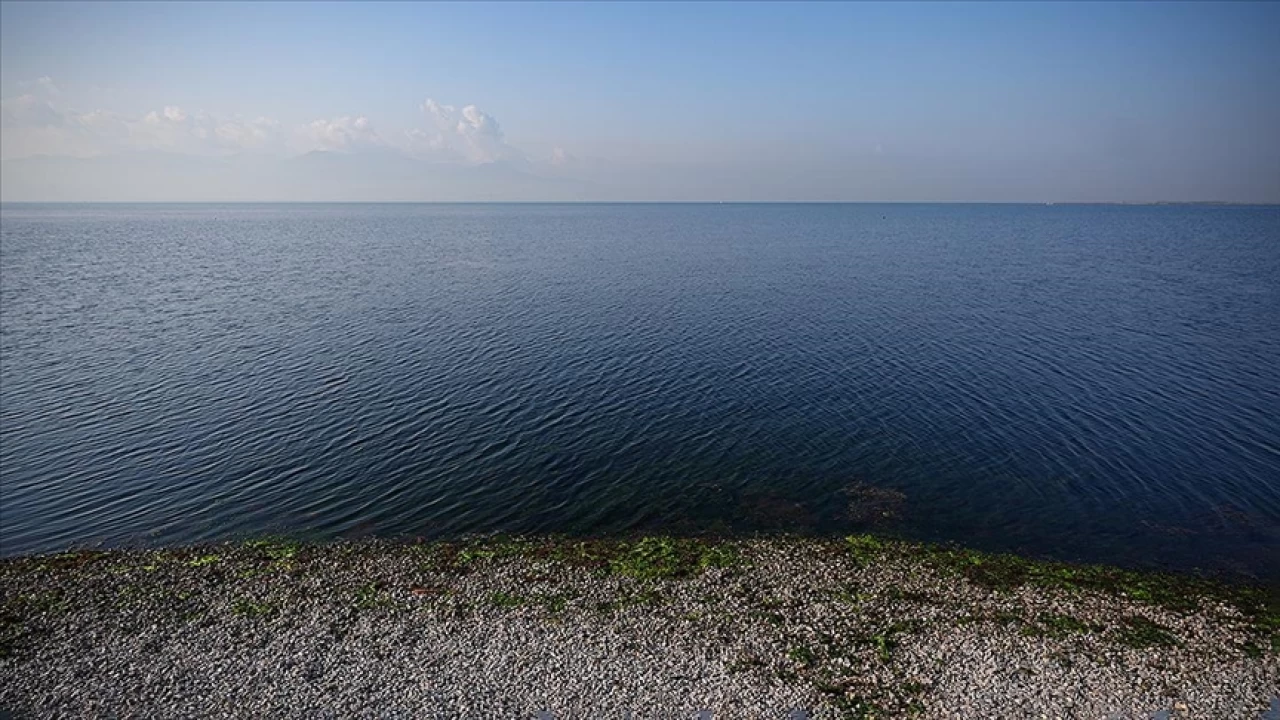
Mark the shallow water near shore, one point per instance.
(1084, 383)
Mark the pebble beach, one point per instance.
(857, 627)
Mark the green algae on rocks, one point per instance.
(861, 626)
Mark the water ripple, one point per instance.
(1090, 383)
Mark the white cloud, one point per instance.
(169, 129)
(176, 130)
(42, 86)
(29, 111)
(101, 120)
(32, 109)
(31, 129)
(466, 135)
(36, 123)
(343, 134)
(260, 134)
(562, 158)
(110, 130)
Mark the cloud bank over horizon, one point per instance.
(53, 152)
(703, 102)
(36, 123)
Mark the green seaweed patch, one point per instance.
(895, 593)
(507, 600)
(648, 558)
(17, 610)
(856, 707)
(1057, 626)
(1261, 606)
(1182, 594)
(556, 603)
(850, 595)
(494, 549)
(864, 548)
(887, 640)
(72, 560)
(464, 556)
(802, 655)
(370, 595)
(280, 550)
(249, 608)
(1177, 593)
(649, 597)
(29, 605)
(665, 557)
(1139, 632)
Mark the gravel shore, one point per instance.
(654, 628)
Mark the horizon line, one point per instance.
(1219, 203)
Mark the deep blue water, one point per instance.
(1092, 383)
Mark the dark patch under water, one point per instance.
(1091, 383)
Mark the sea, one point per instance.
(1085, 383)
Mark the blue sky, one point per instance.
(988, 101)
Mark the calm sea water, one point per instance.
(1090, 383)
